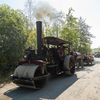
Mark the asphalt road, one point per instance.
(57, 87)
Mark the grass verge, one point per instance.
(5, 78)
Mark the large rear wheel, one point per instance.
(72, 65)
(69, 65)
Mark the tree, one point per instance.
(57, 22)
(13, 36)
(69, 31)
(85, 49)
(29, 12)
(32, 39)
(84, 36)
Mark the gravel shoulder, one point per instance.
(83, 85)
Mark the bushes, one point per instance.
(13, 36)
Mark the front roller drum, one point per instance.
(30, 76)
(69, 65)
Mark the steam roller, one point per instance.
(36, 68)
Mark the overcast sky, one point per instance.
(87, 9)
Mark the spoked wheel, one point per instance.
(72, 65)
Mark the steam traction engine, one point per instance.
(35, 70)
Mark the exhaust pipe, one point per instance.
(39, 37)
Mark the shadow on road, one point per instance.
(54, 87)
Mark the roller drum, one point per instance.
(30, 76)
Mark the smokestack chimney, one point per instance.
(39, 37)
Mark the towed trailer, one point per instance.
(36, 68)
(88, 59)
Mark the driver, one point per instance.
(61, 53)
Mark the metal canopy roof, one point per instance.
(55, 41)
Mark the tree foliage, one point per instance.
(84, 36)
(96, 50)
(32, 39)
(69, 31)
(13, 35)
(29, 12)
